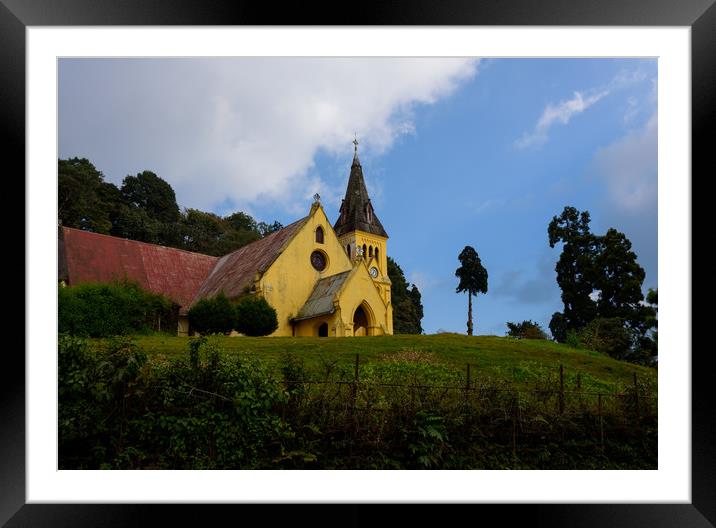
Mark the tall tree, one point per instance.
(473, 279)
(575, 269)
(416, 300)
(84, 200)
(407, 306)
(148, 191)
(601, 282)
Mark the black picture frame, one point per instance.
(16, 15)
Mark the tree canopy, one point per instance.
(601, 283)
(84, 199)
(406, 301)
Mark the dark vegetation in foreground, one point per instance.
(210, 410)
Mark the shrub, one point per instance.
(607, 335)
(105, 310)
(255, 317)
(215, 315)
(572, 339)
(526, 330)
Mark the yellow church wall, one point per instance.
(360, 289)
(289, 281)
(309, 327)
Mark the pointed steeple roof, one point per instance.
(356, 210)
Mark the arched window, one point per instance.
(365, 251)
(377, 256)
(369, 212)
(319, 235)
(348, 250)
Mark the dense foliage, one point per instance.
(473, 279)
(144, 208)
(406, 301)
(606, 335)
(212, 410)
(526, 330)
(255, 316)
(204, 412)
(103, 310)
(214, 315)
(600, 279)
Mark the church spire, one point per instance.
(356, 210)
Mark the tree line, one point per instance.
(145, 208)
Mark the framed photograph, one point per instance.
(658, 59)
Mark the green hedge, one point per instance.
(215, 315)
(255, 317)
(120, 308)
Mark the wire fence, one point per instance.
(517, 418)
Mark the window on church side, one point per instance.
(348, 250)
(370, 252)
(318, 260)
(365, 250)
(376, 255)
(319, 235)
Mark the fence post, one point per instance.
(354, 388)
(561, 388)
(467, 380)
(467, 396)
(601, 423)
(515, 406)
(636, 396)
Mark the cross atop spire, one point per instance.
(356, 161)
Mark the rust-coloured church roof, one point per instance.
(90, 257)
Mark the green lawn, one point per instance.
(523, 363)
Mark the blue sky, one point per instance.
(455, 152)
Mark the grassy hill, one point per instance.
(522, 363)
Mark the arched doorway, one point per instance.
(360, 322)
(323, 330)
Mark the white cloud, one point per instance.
(629, 168)
(560, 113)
(242, 130)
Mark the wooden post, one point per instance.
(561, 388)
(636, 395)
(601, 423)
(467, 395)
(515, 406)
(354, 388)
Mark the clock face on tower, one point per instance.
(374, 272)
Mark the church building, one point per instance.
(322, 279)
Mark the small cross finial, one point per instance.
(317, 197)
(355, 142)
